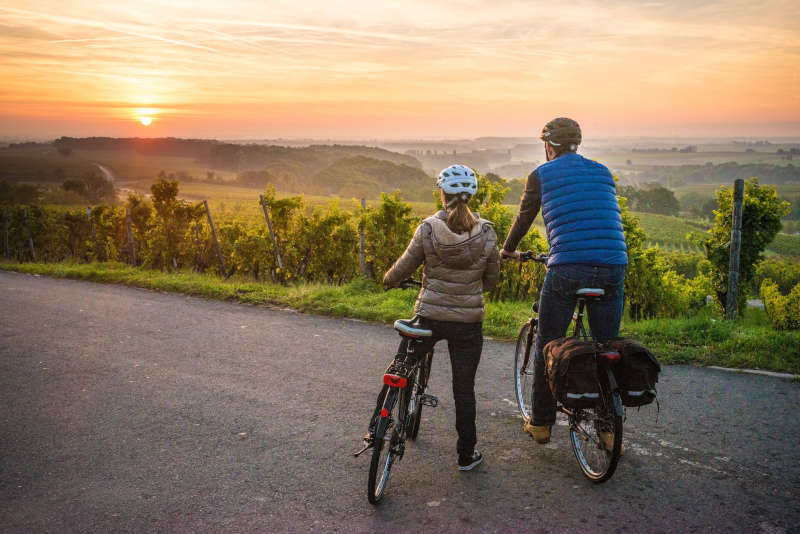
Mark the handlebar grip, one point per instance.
(529, 255)
(409, 282)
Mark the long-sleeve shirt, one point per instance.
(528, 209)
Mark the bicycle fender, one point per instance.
(612, 382)
(388, 404)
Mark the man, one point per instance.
(587, 249)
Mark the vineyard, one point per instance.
(318, 240)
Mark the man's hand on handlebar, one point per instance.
(528, 255)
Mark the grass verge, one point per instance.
(703, 339)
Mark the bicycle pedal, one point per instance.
(430, 400)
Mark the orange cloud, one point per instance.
(357, 68)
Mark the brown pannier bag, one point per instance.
(571, 369)
(637, 372)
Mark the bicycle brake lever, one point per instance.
(367, 446)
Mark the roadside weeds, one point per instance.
(703, 339)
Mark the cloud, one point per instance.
(454, 56)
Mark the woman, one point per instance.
(459, 253)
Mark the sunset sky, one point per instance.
(238, 69)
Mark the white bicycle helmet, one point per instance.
(457, 179)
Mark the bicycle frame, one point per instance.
(400, 377)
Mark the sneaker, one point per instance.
(540, 433)
(608, 442)
(465, 463)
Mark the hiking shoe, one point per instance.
(608, 442)
(540, 433)
(465, 463)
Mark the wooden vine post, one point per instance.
(362, 257)
(216, 241)
(30, 234)
(5, 233)
(94, 233)
(736, 248)
(272, 237)
(130, 234)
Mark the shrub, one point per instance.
(783, 311)
(761, 222)
(786, 274)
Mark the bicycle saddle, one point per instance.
(407, 328)
(590, 292)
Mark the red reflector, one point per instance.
(395, 381)
(592, 294)
(611, 356)
(384, 412)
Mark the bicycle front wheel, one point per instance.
(383, 449)
(596, 435)
(523, 369)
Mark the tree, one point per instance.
(98, 189)
(11, 193)
(761, 222)
(173, 217)
(388, 230)
(653, 198)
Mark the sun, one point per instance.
(147, 121)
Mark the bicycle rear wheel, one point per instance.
(593, 430)
(523, 369)
(383, 449)
(420, 383)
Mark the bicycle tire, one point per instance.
(421, 382)
(585, 440)
(382, 454)
(523, 378)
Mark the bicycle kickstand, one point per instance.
(367, 446)
(430, 400)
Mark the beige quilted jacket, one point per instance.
(458, 268)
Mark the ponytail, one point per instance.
(460, 218)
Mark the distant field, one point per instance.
(666, 232)
(40, 165)
(135, 171)
(620, 159)
(131, 165)
(784, 190)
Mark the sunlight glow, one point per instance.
(397, 69)
(147, 121)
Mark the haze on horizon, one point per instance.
(411, 68)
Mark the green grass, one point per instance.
(704, 339)
(708, 340)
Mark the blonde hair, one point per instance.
(460, 218)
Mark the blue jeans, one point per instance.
(556, 306)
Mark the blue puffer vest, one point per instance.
(581, 212)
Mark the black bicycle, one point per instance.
(399, 410)
(595, 433)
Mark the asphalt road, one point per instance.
(135, 411)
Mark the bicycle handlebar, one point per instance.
(529, 255)
(409, 282)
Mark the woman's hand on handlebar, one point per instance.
(509, 255)
(405, 284)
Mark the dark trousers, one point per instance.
(556, 306)
(465, 343)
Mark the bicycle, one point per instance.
(585, 425)
(399, 410)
